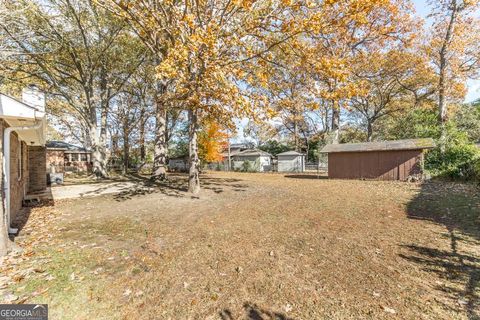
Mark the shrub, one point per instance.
(460, 161)
(471, 170)
(246, 166)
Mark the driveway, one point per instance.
(93, 190)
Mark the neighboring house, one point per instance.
(387, 160)
(253, 159)
(179, 164)
(65, 157)
(291, 161)
(23, 127)
(234, 149)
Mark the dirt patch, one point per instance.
(263, 246)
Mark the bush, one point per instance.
(471, 170)
(460, 161)
(246, 166)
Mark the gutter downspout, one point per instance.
(6, 167)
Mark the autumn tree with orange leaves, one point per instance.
(212, 55)
(212, 140)
(205, 49)
(345, 30)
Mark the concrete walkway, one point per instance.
(93, 190)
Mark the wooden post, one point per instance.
(229, 158)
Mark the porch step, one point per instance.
(36, 197)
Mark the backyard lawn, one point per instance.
(254, 246)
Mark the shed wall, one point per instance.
(291, 163)
(381, 165)
(257, 163)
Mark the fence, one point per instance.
(223, 166)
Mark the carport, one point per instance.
(386, 160)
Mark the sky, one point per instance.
(473, 94)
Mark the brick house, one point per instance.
(64, 157)
(22, 130)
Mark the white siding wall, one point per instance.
(257, 163)
(293, 163)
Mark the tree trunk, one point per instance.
(160, 150)
(115, 144)
(98, 152)
(143, 154)
(442, 106)
(104, 107)
(126, 152)
(194, 161)
(369, 130)
(335, 122)
(295, 132)
(307, 144)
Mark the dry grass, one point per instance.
(262, 246)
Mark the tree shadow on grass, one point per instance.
(176, 186)
(457, 208)
(254, 312)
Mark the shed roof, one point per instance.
(62, 145)
(408, 144)
(291, 153)
(252, 152)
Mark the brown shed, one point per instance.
(386, 160)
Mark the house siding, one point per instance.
(257, 163)
(19, 176)
(56, 161)
(37, 170)
(291, 163)
(20, 181)
(379, 165)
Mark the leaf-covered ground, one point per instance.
(254, 246)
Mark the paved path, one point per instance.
(92, 190)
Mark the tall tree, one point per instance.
(212, 141)
(391, 82)
(203, 47)
(80, 54)
(454, 49)
(350, 29)
(152, 21)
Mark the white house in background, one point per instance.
(291, 161)
(257, 160)
(23, 128)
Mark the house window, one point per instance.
(75, 157)
(83, 157)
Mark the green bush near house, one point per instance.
(246, 166)
(459, 161)
(461, 157)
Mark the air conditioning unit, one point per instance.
(55, 178)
